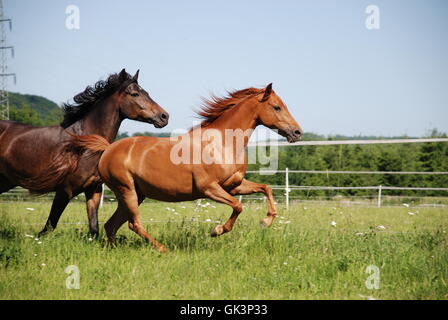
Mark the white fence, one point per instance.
(288, 188)
(19, 192)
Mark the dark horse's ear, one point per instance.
(135, 77)
(123, 75)
(267, 92)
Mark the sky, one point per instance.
(335, 75)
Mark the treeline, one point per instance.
(426, 157)
(34, 110)
(122, 135)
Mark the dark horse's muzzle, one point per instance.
(160, 120)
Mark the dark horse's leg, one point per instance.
(93, 199)
(60, 201)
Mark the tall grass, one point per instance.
(303, 256)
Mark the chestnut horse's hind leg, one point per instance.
(114, 223)
(217, 193)
(128, 210)
(93, 199)
(60, 202)
(249, 187)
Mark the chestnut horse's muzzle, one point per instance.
(293, 135)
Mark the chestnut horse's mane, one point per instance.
(214, 107)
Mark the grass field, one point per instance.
(311, 252)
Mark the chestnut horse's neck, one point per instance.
(104, 120)
(242, 116)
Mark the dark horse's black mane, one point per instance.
(84, 101)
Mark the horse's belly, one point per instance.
(167, 190)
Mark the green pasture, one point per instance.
(311, 252)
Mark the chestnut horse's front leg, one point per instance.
(249, 187)
(217, 193)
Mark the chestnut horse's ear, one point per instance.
(135, 77)
(267, 92)
(123, 75)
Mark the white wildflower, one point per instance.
(30, 209)
(381, 227)
(333, 223)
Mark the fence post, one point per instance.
(379, 196)
(287, 188)
(102, 195)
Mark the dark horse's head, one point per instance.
(132, 100)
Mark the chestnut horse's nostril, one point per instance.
(164, 116)
(297, 132)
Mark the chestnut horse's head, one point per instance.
(136, 104)
(273, 113)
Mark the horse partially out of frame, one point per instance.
(139, 167)
(40, 159)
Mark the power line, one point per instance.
(4, 74)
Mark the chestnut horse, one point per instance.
(40, 159)
(139, 167)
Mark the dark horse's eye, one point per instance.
(134, 94)
(276, 108)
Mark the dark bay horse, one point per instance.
(40, 159)
(139, 167)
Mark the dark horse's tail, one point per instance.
(64, 163)
(91, 142)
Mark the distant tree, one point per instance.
(122, 135)
(35, 110)
(25, 115)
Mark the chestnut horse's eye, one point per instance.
(134, 94)
(276, 108)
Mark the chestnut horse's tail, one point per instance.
(91, 142)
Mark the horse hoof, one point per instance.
(217, 231)
(44, 232)
(162, 249)
(265, 223)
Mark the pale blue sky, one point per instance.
(334, 74)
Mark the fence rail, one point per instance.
(287, 188)
(20, 193)
(339, 142)
(352, 172)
